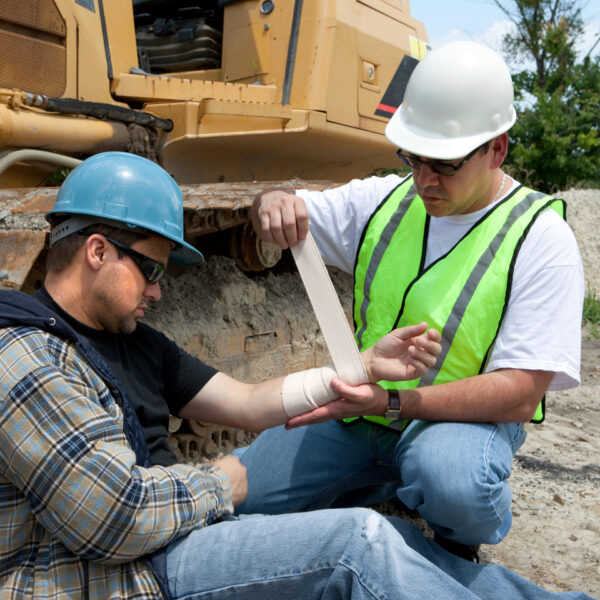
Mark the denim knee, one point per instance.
(455, 475)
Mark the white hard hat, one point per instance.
(458, 97)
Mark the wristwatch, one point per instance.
(394, 406)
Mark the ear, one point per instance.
(499, 149)
(95, 249)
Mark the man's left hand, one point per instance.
(403, 354)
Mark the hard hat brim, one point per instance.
(185, 254)
(428, 145)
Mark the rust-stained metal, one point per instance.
(19, 251)
(208, 208)
(250, 252)
(200, 196)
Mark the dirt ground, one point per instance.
(555, 537)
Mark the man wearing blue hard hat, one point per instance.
(87, 513)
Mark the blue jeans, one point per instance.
(454, 474)
(331, 554)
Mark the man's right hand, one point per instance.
(280, 217)
(236, 473)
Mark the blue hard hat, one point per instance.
(126, 191)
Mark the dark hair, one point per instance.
(62, 253)
(485, 147)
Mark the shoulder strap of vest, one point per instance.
(557, 205)
(390, 211)
(405, 184)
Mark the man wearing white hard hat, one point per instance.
(463, 246)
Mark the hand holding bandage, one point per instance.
(404, 353)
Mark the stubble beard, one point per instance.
(111, 321)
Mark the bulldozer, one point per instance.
(230, 97)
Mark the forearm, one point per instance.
(255, 407)
(507, 395)
(226, 401)
(179, 499)
(403, 354)
(266, 408)
(88, 491)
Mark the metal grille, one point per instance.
(32, 46)
(193, 45)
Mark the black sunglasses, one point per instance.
(441, 168)
(151, 269)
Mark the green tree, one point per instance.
(555, 143)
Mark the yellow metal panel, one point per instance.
(164, 88)
(316, 150)
(254, 60)
(32, 47)
(418, 48)
(383, 41)
(120, 30)
(224, 117)
(92, 69)
(315, 63)
(255, 44)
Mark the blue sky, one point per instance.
(481, 20)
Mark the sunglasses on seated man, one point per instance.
(441, 168)
(151, 269)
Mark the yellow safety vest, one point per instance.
(463, 294)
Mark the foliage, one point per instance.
(591, 308)
(555, 143)
(400, 171)
(591, 312)
(57, 177)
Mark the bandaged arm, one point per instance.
(307, 390)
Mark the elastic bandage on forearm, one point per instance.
(307, 390)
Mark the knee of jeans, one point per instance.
(465, 488)
(474, 509)
(350, 522)
(456, 467)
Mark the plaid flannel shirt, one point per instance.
(76, 513)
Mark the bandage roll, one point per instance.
(329, 312)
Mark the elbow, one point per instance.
(252, 426)
(531, 388)
(525, 412)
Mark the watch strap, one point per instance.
(394, 409)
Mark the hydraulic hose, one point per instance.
(100, 110)
(7, 159)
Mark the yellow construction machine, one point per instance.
(225, 94)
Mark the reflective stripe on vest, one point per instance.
(463, 294)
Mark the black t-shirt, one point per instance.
(159, 377)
